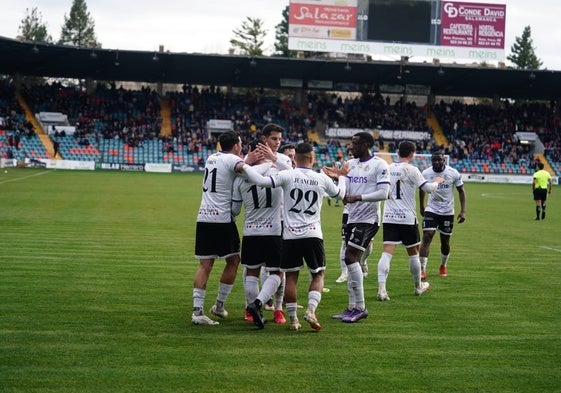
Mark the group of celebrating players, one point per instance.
(283, 194)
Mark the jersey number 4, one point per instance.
(397, 190)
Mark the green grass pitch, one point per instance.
(96, 274)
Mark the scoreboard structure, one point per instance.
(424, 28)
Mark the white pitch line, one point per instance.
(551, 248)
(499, 194)
(23, 178)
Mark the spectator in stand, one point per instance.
(56, 146)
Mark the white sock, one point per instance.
(279, 294)
(269, 287)
(415, 269)
(314, 297)
(342, 252)
(444, 259)
(356, 280)
(291, 311)
(251, 288)
(223, 292)
(199, 298)
(383, 270)
(351, 292)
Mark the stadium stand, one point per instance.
(116, 125)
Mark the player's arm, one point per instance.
(237, 197)
(430, 187)
(549, 185)
(283, 162)
(337, 191)
(236, 208)
(381, 194)
(256, 178)
(422, 201)
(462, 195)
(340, 174)
(260, 168)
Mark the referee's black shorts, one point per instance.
(540, 194)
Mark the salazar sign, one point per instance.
(423, 28)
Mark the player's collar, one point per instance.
(368, 159)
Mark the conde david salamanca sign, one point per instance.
(422, 28)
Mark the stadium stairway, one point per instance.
(546, 163)
(30, 117)
(313, 136)
(437, 133)
(386, 157)
(165, 112)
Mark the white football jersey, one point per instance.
(364, 178)
(302, 200)
(401, 206)
(219, 176)
(262, 206)
(441, 201)
(283, 161)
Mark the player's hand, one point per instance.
(266, 152)
(345, 169)
(332, 171)
(253, 156)
(351, 199)
(438, 180)
(461, 217)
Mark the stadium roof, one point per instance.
(27, 58)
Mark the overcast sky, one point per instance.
(206, 26)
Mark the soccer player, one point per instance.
(367, 184)
(303, 190)
(400, 218)
(289, 150)
(271, 136)
(541, 186)
(261, 243)
(439, 211)
(216, 233)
